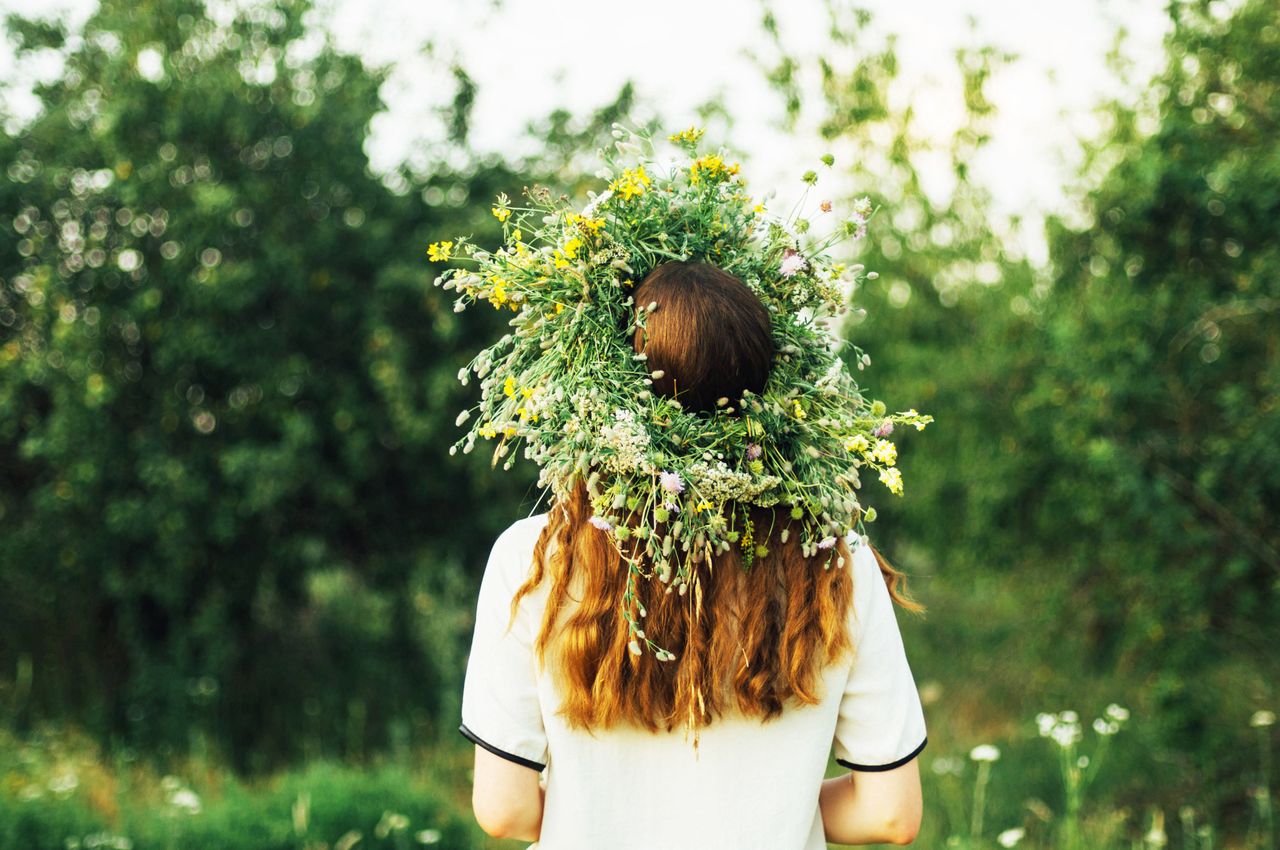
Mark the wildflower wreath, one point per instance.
(567, 384)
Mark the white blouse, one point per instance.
(752, 784)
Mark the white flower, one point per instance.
(792, 263)
(1118, 713)
(185, 799)
(64, 782)
(1046, 722)
(628, 441)
(945, 765)
(1261, 719)
(1011, 837)
(985, 753)
(671, 482)
(1065, 734)
(428, 836)
(1105, 727)
(589, 210)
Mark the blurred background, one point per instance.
(238, 565)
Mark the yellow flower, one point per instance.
(632, 183)
(499, 295)
(517, 235)
(439, 252)
(508, 431)
(559, 308)
(892, 478)
(857, 443)
(689, 136)
(702, 506)
(711, 167)
(488, 431)
(509, 387)
(589, 225)
(571, 248)
(885, 452)
(527, 392)
(501, 214)
(799, 411)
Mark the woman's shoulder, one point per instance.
(523, 531)
(513, 549)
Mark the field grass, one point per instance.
(1060, 788)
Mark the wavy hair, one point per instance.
(746, 639)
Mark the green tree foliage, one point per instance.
(226, 385)
(1159, 403)
(1094, 517)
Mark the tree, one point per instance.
(1094, 512)
(226, 391)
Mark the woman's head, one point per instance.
(710, 335)
(749, 639)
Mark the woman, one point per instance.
(579, 739)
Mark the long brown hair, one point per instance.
(749, 639)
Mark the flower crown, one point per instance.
(567, 384)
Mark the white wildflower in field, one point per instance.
(1118, 713)
(1262, 719)
(185, 800)
(1063, 728)
(947, 765)
(985, 753)
(1011, 837)
(1066, 734)
(64, 782)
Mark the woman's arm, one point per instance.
(506, 797)
(872, 807)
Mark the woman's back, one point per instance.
(747, 783)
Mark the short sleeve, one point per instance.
(881, 722)
(500, 706)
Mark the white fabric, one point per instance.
(751, 784)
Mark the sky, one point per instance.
(680, 53)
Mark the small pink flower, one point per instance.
(826, 542)
(792, 263)
(884, 429)
(753, 451)
(858, 224)
(671, 482)
(601, 523)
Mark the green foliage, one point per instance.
(1095, 514)
(225, 382)
(59, 795)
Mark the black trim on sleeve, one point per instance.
(875, 768)
(476, 739)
